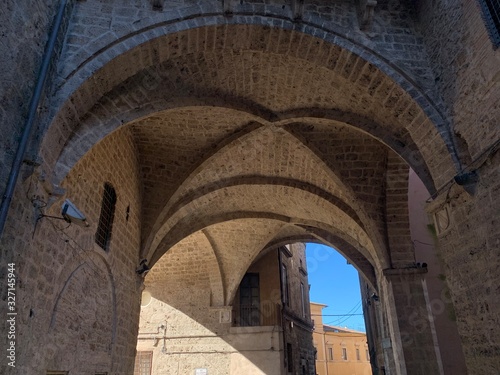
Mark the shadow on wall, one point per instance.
(181, 331)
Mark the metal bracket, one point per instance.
(367, 10)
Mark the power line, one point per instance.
(348, 314)
(335, 314)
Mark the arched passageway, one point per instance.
(240, 159)
(223, 138)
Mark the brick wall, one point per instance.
(469, 249)
(385, 76)
(24, 28)
(83, 298)
(467, 72)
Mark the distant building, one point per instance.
(266, 329)
(339, 351)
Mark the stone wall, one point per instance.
(84, 299)
(467, 69)
(297, 324)
(396, 74)
(468, 247)
(25, 30)
(438, 292)
(24, 27)
(185, 331)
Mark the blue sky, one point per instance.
(334, 283)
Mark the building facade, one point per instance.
(266, 329)
(339, 350)
(234, 126)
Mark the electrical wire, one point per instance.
(349, 314)
(345, 320)
(335, 314)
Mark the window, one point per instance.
(491, 14)
(302, 270)
(289, 357)
(358, 357)
(250, 300)
(143, 362)
(284, 285)
(330, 354)
(344, 354)
(303, 299)
(103, 234)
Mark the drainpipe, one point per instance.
(35, 100)
(326, 349)
(282, 305)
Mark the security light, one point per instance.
(72, 215)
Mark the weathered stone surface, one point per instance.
(272, 128)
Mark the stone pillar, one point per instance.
(410, 323)
(376, 328)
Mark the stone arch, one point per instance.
(315, 235)
(353, 63)
(237, 242)
(90, 280)
(193, 220)
(193, 256)
(239, 162)
(411, 125)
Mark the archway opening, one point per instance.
(244, 166)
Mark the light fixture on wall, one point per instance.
(143, 268)
(70, 214)
(468, 180)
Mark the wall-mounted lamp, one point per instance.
(143, 268)
(70, 214)
(468, 180)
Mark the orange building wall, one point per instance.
(324, 339)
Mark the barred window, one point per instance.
(491, 15)
(103, 234)
(143, 361)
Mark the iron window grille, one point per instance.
(250, 300)
(491, 14)
(143, 363)
(104, 229)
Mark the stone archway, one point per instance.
(233, 127)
